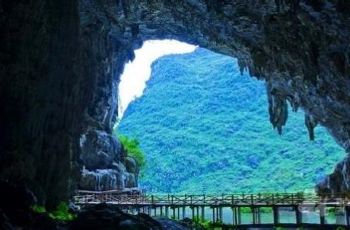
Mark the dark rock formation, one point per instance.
(42, 96)
(99, 150)
(104, 158)
(108, 217)
(338, 183)
(60, 65)
(17, 209)
(16, 212)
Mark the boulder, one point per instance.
(107, 217)
(131, 165)
(99, 149)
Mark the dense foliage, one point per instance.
(61, 212)
(204, 128)
(132, 146)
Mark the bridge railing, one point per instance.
(116, 197)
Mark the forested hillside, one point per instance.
(204, 128)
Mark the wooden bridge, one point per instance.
(234, 211)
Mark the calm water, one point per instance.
(286, 216)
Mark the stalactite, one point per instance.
(310, 123)
(241, 65)
(278, 108)
(294, 102)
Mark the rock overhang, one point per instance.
(300, 48)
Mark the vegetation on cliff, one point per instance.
(61, 212)
(132, 146)
(204, 129)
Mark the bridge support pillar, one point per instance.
(253, 214)
(174, 215)
(347, 221)
(220, 214)
(192, 212)
(259, 216)
(233, 216)
(256, 215)
(217, 214)
(298, 216)
(276, 215)
(322, 214)
(183, 212)
(202, 212)
(213, 209)
(239, 216)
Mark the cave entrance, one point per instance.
(202, 124)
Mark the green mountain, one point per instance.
(204, 128)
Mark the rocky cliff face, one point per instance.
(106, 165)
(60, 65)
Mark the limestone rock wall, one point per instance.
(41, 95)
(106, 165)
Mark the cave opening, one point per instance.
(60, 68)
(202, 124)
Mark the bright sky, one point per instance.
(136, 73)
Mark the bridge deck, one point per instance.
(285, 199)
(174, 206)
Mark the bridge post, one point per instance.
(256, 215)
(239, 216)
(174, 215)
(322, 214)
(149, 210)
(298, 216)
(257, 212)
(275, 211)
(166, 211)
(253, 214)
(347, 215)
(192, 211)
(217, 214)
(233, 216)
(213, 208)
(178, 212)
(203, 212)
(220, 214)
